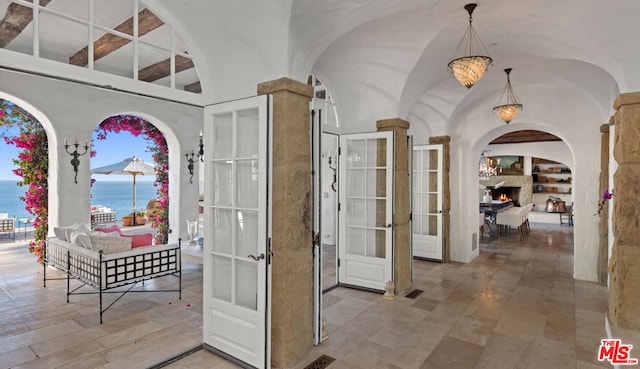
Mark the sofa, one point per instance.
(108, 262)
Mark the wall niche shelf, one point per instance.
(550, 178)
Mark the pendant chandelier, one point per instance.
(469, 68)
(486, 168)
(511, 107)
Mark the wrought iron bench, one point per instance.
(107, 272)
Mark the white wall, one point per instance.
(73, 111)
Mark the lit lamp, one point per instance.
(470, 68)
(75, 162)
(511, 107)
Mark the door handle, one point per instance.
(389, 225)
(259, 257)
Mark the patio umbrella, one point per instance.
(131, 166)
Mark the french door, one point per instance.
(365, 210)
(236, 258)
(427, 202)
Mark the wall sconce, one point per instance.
(75, 162)
(190, 160)
(201, 151)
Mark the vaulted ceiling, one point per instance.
(66, 25)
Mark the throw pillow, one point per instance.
(113, 228)
(80, 238)
(76, 227)
(109, 243)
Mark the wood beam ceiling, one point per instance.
(525, 136)
(194, 87)
(16, 19)
(108, 43)
(162, 69)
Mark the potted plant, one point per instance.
(127, 220)
(140, 218)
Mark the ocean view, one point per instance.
(117, 195)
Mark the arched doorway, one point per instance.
(157, 145)
(24, 131)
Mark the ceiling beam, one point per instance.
(16, 19)
(162, 69)
(108, 43)
(194, 87)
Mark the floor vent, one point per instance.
(321, 362)
(413, 294)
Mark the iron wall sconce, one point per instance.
(75, 162)
(190, 166)
(201, 151)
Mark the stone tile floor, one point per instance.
(515, 306)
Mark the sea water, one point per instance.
(117, 195)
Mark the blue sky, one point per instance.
(117, 147)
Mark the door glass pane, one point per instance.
(376, 213)
(416, 181)
(433, 181)
(247, 138)
(424, 220)
(356, 212)
(355, 182)
(221, 230)
(247, 233)
(433, 203)
(355, 153)
(355, 241)
(247, 284)
(425, 203)
(376, 182)
(425, 182)
(222, 183)
(433, 159)
(433, 225)
(223, 134)
(425, 162)
(221, 268)
(376, 152)
(376, 243)
(417, 204)
(247, 184)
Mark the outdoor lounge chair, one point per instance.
(8, 225)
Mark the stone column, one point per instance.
(445, 141)
(603, 224)
(401, 201)
(291, 214)
(624, 266)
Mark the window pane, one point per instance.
(223, 135)
(222, 184)
(247, 138)
(247, 184)
(355, 241)
(221, 230)
(246, 233)
(221, 268)
(247, 284)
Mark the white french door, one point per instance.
(366, 210)
(236, 257)
(427, 202)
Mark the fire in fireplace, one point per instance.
(507, 194)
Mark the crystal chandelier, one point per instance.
(469, 68)
(485, 169)
(511, 107)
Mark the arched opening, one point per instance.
(27, 135)
(158, 147)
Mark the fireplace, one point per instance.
(507, 193)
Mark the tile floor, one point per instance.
(515, 306)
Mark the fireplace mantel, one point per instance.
(524, 182)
